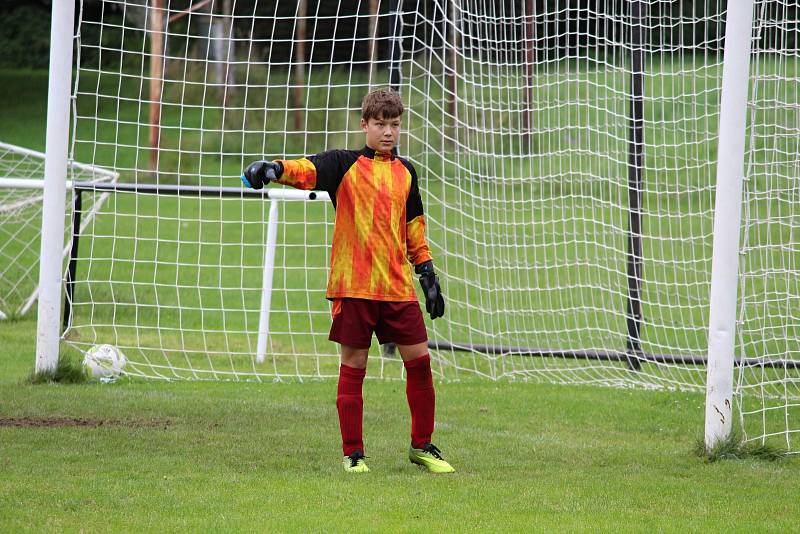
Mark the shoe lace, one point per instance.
(433, 450)
(355, 458)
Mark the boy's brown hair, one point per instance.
(381, 104)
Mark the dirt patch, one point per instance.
(59, 422)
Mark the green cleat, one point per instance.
(430, 457)
(355, 463)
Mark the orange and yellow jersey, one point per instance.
(379, 227)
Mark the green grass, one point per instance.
(199, 456)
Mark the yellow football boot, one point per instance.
(355, 463)
(430, 457)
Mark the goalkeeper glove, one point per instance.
(434, 301)
(260, 172)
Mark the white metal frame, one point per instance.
(55, 191)
(722, 318)
(727, 222)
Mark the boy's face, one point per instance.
(382, 134)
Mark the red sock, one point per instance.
(350, 405)
(421, 399)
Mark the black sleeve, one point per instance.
(414, 200)
(331, 167)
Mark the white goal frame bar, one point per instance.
(727, 222)
(55, 191)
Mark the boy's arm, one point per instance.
(419, 254)
(322, 172)
(417, 248)
(416, 245)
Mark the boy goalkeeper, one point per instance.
(379, 228)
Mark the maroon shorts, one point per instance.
(354, 321)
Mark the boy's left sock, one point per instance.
(421, 399)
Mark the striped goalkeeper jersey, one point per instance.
(379, 227)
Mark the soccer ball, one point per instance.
(104, 361)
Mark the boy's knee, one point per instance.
(412, 352)
(354, 357)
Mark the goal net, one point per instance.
(21, 182)
(768, 315)
(567, 154)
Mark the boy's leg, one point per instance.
(352, 327)
(419, 392)
(349, 401)
(422, 402)
(402, 323)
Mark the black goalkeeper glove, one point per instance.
(261, 172)
(434, 301)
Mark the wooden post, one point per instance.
(396, 47)
(529, 60)
(227, 7)
(373, 40)
(451, 69)
(156, 68)
(300, 66)
(217, 50)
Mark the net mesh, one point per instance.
(768, 325)
(21, 221)
(521, 122)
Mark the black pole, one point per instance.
(529, 61)
(606, 355)
(77, 207)
(635, 163)
(389, 349)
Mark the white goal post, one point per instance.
(611, 189)
(727, 218)
(55, 192)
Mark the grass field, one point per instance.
(231, 456)
(196, 456)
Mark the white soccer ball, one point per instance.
(104, 361)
